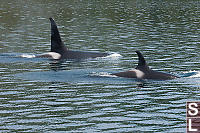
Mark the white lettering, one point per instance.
(195, 110)
(190, 126)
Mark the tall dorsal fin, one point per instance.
(56, 42)
(141, 61)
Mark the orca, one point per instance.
(60, 51)
(142, 71)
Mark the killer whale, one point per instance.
(60, 51)
(142, 71)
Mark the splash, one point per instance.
(113, 56)
(192, 74)
(101, 74)
(27, 56)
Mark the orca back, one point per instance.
(142, 71)
(58, 46)
(72, 54)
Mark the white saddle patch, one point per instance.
(52, 55)
(139, 74)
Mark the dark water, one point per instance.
(41, 95)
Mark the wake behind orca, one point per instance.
(142, 71)
(60, 51)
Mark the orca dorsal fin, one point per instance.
(141, 61)
(56, 42)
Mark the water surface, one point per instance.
(41, 95)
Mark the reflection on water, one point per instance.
(41, 95)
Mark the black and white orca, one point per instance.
(60, 51)
(142, 71)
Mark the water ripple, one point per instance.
(40, 95)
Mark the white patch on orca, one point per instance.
(27, 56)
(139, 74)
(52, 55)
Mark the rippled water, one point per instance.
(41, 95)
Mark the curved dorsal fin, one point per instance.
(141, 61)
(56, 42)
